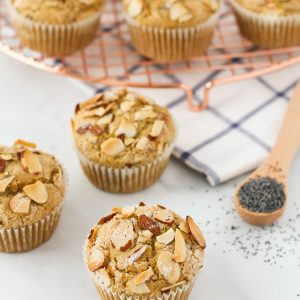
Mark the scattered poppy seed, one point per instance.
(263, 195)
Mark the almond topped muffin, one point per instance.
(56, 27)
(123, 140)
(269, 23)
(32, 189)
(171, 30)
(144, 252)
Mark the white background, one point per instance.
(37, 106)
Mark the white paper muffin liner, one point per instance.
(172, 44)
(267, 30)
(54, 40)
(127, 179)
(29, 237)
(106, 293)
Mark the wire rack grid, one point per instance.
(112, 60)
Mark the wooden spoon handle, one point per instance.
(288, 141)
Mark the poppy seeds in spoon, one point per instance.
(262, 195)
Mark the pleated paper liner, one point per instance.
(181, 292)
(266, 30)
(54, 40)
(174, 44)
(128, 179)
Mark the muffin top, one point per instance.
(272, 7)
(144, 250)
(57, 11)
(122, 129)
(31, 185)
(171, 13)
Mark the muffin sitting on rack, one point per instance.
(55, 27)
(171, 30)
(123, 140)
(269, 23)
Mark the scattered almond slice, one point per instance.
(143, 277)
(144, 114)
(132, 97)
(164, 216)
(196, 232)
(98, 112)
(104, 277)
(173, 286)
(123, 236)
(106, 218)
(157, 128)
(135, 8)
(31, 163)
(126, 105)
(177, 11)
(167, 237)
(127, 128)
(147, 223)
(112, 146)
(136, 254)
(147, 107)
(185, 18)
(184, 227)
(141, 289)
(20, 204)
(128, 210)
(4, 183)
(105, 120)
(110, 96)
(168, 268)
(180, 252)
(128, 141)
(36, 192)
(95, 259)
(142, 143)
(25, 144)
(6, 156)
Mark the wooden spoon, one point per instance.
(277, 164)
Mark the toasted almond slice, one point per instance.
(112, 146)
(184, 227)
(25, 144)
(196, 232)
(128, 141)
(147, 223)
(164, 216)
(185, 18)
(180, 252)
(126, 105)
(135, 8)
(157, 128)
(173, 286)
(98, 112)
(123, 235)
(127, 128)
(36, 192)
(104, 277)
(6, 156)
(132, 288)
(105, 120)
(128, 210)
(4, 183)
(95, 259)
(20, 204)
(31, 163)
(136, 254)
(167, 267)
(110, 96)
(106, 218)
(167, 237)
(142, 143)
(143, 277)
(177, 11)
(132, 97)
(147, 107)
(144, 114)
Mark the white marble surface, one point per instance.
(37, 106)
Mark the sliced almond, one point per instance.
(135, 8)
(98, 112)
(104, 277)
(128, 210)
(110, 96)
(20, 204)
(167, 267)
(31, 163)
(127, 128)
(106, 219)
(136, 254)
(123, 235)
(4, 183)
(164, 216)
(112, 146)
(126, 105)
(142, 143)
(144, 114)
(196, 232)
(25, 144)
(147, 223)
(147, 107)
(177, 11)
(132, 288)
(143, 277)
(105, 120)
(6, 156)
(167, 237)
(36, 192)
(128, 141)
(95, 259)
(157, 128)
(180, 251)
(184, 227)
(173, 286)
(132, 97)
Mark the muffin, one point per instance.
(144, 252)
(269, 23)
(170, 30)
(123, 140)
(32, 189)
(55, 27)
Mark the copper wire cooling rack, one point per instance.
(111, 60)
